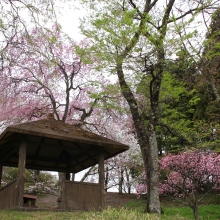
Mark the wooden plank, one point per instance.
(21, 173)
(82, 196)
(29, 196)
(102, 179)
(8, 196)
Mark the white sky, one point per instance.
(69, 21)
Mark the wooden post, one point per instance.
(62, 196)
(73, 177)
(101, 179)
(0, 174)
(21, 173)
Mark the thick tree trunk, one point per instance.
(153, 201)
(147, 141)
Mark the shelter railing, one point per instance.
(8, 195)
(81, 196)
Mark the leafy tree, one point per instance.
(206, 114)
(210, 61)
(134, 40)
(45, 183)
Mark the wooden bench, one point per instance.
(29, 200)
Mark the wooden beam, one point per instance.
(72, 146)
(8, 140)
(21, 173)
(60, 157)
(7, 153)
(36, 154)
(101, 179)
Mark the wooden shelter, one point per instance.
(53, 145)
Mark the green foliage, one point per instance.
(43, 182)
(177, 105)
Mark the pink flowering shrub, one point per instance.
(189, 173)
(188, 176)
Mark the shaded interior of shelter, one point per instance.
(53, 145)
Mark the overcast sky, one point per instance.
(69, 21)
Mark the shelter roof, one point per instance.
(55, 146)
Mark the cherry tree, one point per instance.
(190, 173)
(44, 75)
(119, 170)
(20, 16)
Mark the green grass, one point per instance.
(133, 210)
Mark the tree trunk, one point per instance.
(90, 170)
(128, 180)
(147, 142)
(196, 212)
(36, 179)
(153, 201)
(120, 182)
(106, 178)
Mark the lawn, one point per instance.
(133, 210)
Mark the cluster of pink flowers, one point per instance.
(187, 173)
(48, 187)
